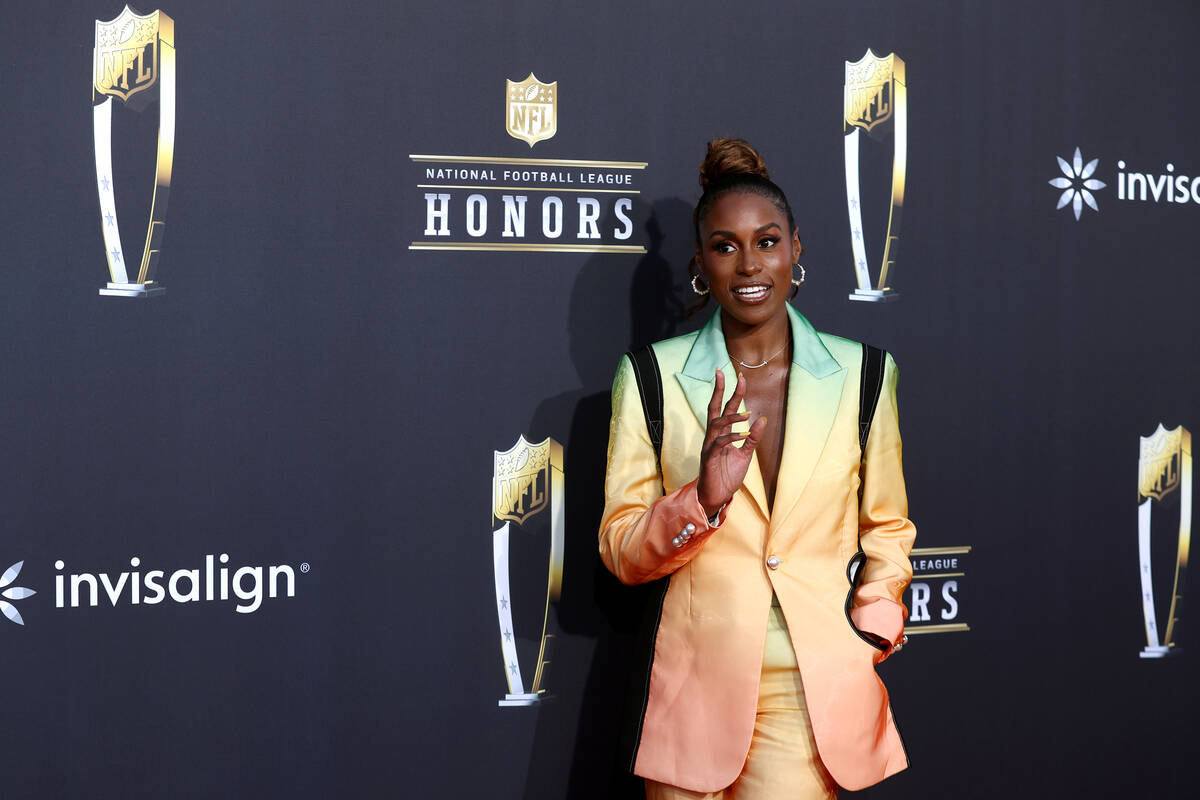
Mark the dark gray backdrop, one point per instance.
(312, 391)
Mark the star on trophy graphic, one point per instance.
(133, 64)
(876, 104)
(1165, 486)
(527, 480)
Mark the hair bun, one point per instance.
(730, 157)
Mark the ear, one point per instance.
(797, 248)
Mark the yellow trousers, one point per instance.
(783, 763)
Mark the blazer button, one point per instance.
(773, 562)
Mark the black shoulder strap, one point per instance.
(649, 381)
(870, 384)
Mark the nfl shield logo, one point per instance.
(126, 53)
(1158, 463)
(531, 109)
(870, 88)
(521, 480)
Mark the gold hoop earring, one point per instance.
(802, 275)
(696, 288)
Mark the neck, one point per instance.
(756, 343)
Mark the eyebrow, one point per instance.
(731, 235)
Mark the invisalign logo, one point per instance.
(182, 586)
(1147, 187)
(13, 593)
(1077, 183)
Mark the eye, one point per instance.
(768, 242)
(723, 247)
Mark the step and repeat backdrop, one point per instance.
(310, 323)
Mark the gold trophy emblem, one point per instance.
(876, 102)
(527, 479)
(1164, 475)
(531, 109)
(133, 63)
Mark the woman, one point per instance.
(785, 542)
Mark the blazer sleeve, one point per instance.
(639, 522)
(885, 533)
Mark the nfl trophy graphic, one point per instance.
(526, 480)
(1164, 480)
(531, 109)
(133, 63)
(876, 103)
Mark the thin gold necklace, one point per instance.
(763, 364)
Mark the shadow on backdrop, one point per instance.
(596, 615)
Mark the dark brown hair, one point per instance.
(733, 166)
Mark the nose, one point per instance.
(749, 265)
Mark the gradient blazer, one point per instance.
(834, 549)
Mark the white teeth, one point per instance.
(750, 292)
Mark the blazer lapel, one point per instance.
(697, 380)
(814, 395)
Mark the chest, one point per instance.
(766, 396)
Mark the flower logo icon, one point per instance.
(1076, 183)
(13, 593)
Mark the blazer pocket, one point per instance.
(853, 572)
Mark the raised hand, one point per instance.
(723, 465)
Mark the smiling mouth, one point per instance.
(752, 294)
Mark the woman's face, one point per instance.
(746, 253)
